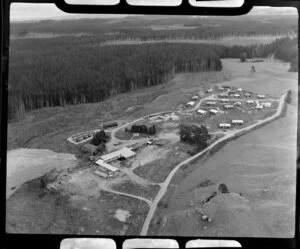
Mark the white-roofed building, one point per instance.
(259, 107)
(236, 95)
(213, 111)
(237, 103)
(209, 90)
(224, 125)
(236, 121)
(211, 103)
(239, 89)
(224, 100)
(250, 101)
(228, 106)
(202, 112)
(106, 166)
(195, 97)
(190, 104)
(266, 104)
(261, 96)
(122, 153)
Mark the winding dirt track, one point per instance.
(228, 135)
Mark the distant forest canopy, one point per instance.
(61, 71)
(157, 27)
(49, 73)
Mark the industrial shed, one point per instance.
(122, 153)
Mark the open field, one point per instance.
(148, 191)
(159, 169)
(34, 211)
(261, 201)
(271, 76)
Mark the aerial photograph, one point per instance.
(152, 125)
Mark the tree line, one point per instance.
(63, 71)
(74, 74)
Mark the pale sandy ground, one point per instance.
(27, 164)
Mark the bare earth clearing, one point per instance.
(258, 178)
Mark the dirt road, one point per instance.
(228, 134)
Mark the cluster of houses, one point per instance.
(108, 171)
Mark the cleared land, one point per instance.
(271, 76)
(130, 187)
(50, 212)
(261, 201)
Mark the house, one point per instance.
(106, 166)
(213, 111)
(238, 122)
(266, 104)
(261, 96)
(109, 125)
(224, 95)
(228, 106)
(237, 103)
(202, 112)
(211, 103)
(195, 97)
(247, 95)
(190, 104)
(224, 100)
(122, 153)
(259, 107)
(236, 95)
(239, 89)
(201, 94)
(221, 88)
(92, 149)
(225, 125)
(250, 101)
(209, 90)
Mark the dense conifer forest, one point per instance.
(68, 70)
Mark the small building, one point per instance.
(250, 101)
(201, 94)
(190, 104)
(101, 174)
(109, 125)
(225, 125)
(239, 89)
(209, 90)
(224, 95)
(213, 111)
(211, 103)
(228, 106)
(259, 107)
(195, 97)
(266, 104)
(107, 166)
(220, 88)
(201, 112)
(224, 100)
(247, 95)
(236, 95)
(237, 103)
(261, 96)
(122, 153)
(92, 149)
(237, 122)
